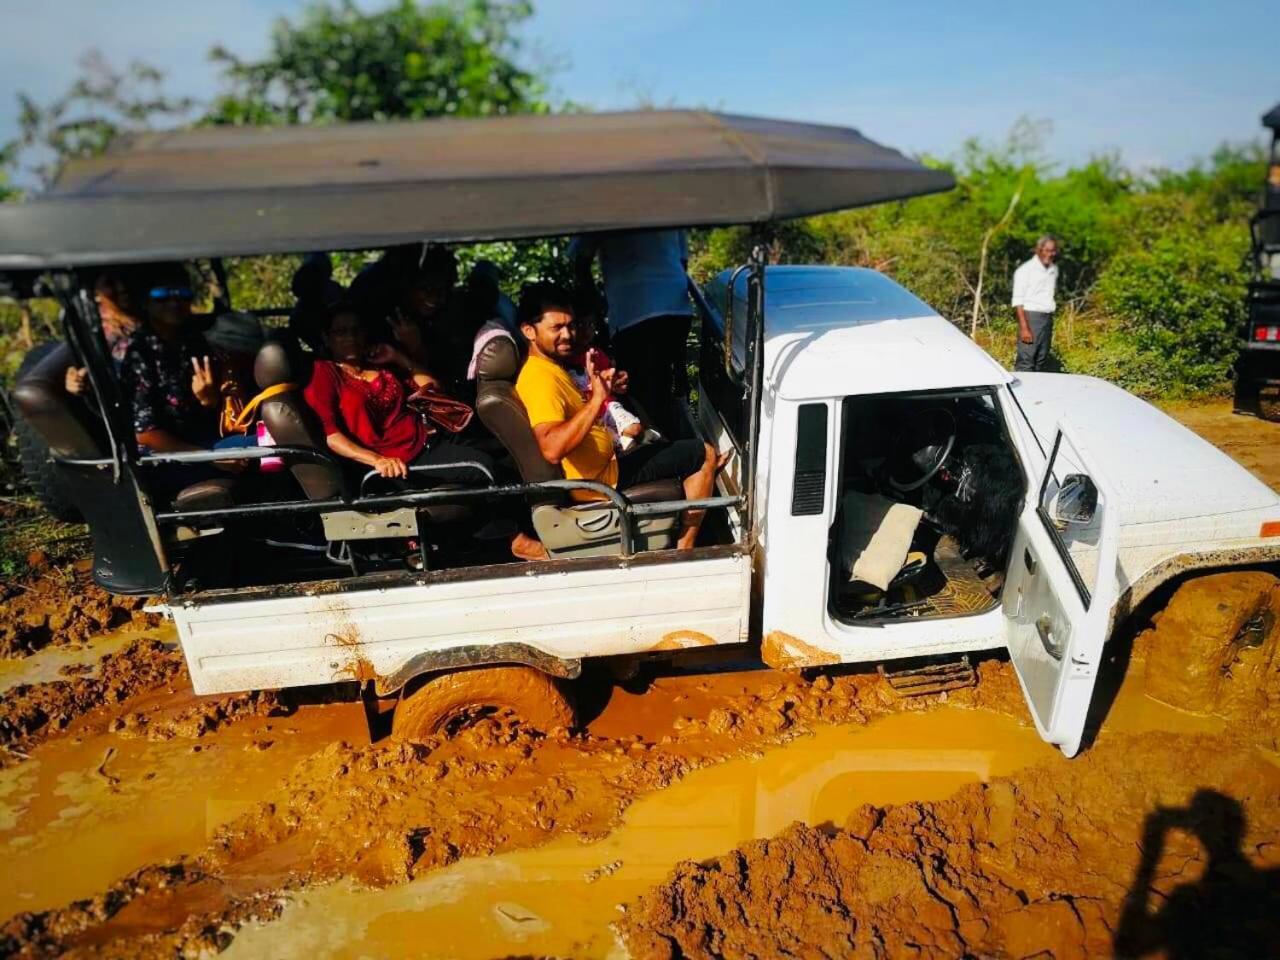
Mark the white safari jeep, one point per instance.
(892, 493)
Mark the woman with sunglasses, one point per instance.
(169, 373)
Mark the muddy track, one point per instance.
(388, 813)
(31, 713)
(1111, 853)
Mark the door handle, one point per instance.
(1044, 627)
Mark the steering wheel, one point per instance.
(921, 448)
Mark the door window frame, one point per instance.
(1055, 535)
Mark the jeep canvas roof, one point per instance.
(225, 191)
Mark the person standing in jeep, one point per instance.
(1034, 285)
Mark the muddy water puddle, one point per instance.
(46, 666)
(561, 898)
(82, 813)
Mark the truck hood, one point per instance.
(1161, 470)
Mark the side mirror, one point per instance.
(1077, 500)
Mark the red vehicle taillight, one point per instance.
(1267, 334)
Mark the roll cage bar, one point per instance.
(82, 327)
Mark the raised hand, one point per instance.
(76, 380)
(601, 380)
(203, 384)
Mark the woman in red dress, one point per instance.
(361, 397)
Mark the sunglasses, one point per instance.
(170, 293)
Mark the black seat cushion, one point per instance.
(654, 491)
(206, 495)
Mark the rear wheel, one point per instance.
(33, 454)
(451, 701)
(1269, 404)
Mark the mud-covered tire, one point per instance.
(446, 702)
(1269, 405)
(1195, 641)
(33, 454)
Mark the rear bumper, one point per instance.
(1258, 366)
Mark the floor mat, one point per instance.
(948, 587)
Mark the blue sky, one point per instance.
(1163, 84)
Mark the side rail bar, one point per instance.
(615, 500)
(428, 468)
(205, 456)
(237, 453)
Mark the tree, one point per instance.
(411, 60)
(101, 104)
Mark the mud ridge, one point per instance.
(1153, 842)
(61, 607)
(32, 713)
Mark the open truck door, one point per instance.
(1060, 589)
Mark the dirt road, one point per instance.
(139, 820)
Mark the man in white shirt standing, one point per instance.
(1034, 285)
(649, 312)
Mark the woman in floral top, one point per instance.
(169, 375)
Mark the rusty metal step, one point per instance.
(930, 679)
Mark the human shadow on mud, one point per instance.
(1232, 910)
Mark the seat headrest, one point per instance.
(279, 361)
(499, 357)
(499, 360)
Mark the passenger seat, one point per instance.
(292, 423)
(73, 431)
(566, 528)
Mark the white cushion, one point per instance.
(875, 535)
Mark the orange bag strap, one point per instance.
(244, 417)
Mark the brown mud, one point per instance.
(392, 812)
(1186, 662)
(139, 820)
(34, 613)
(30, 713)
(141, 690)
(1111, 853)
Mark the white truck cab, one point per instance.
(1101, 496)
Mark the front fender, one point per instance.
(1178, 567)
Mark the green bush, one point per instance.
(1180, 297)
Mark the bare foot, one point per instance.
(722, 460)
(525, 547)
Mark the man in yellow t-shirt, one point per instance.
(567, 425)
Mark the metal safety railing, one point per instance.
(610, 498)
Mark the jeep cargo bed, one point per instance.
(534, 613)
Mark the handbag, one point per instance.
(439, 412)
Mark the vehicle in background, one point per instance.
(1258, 367)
